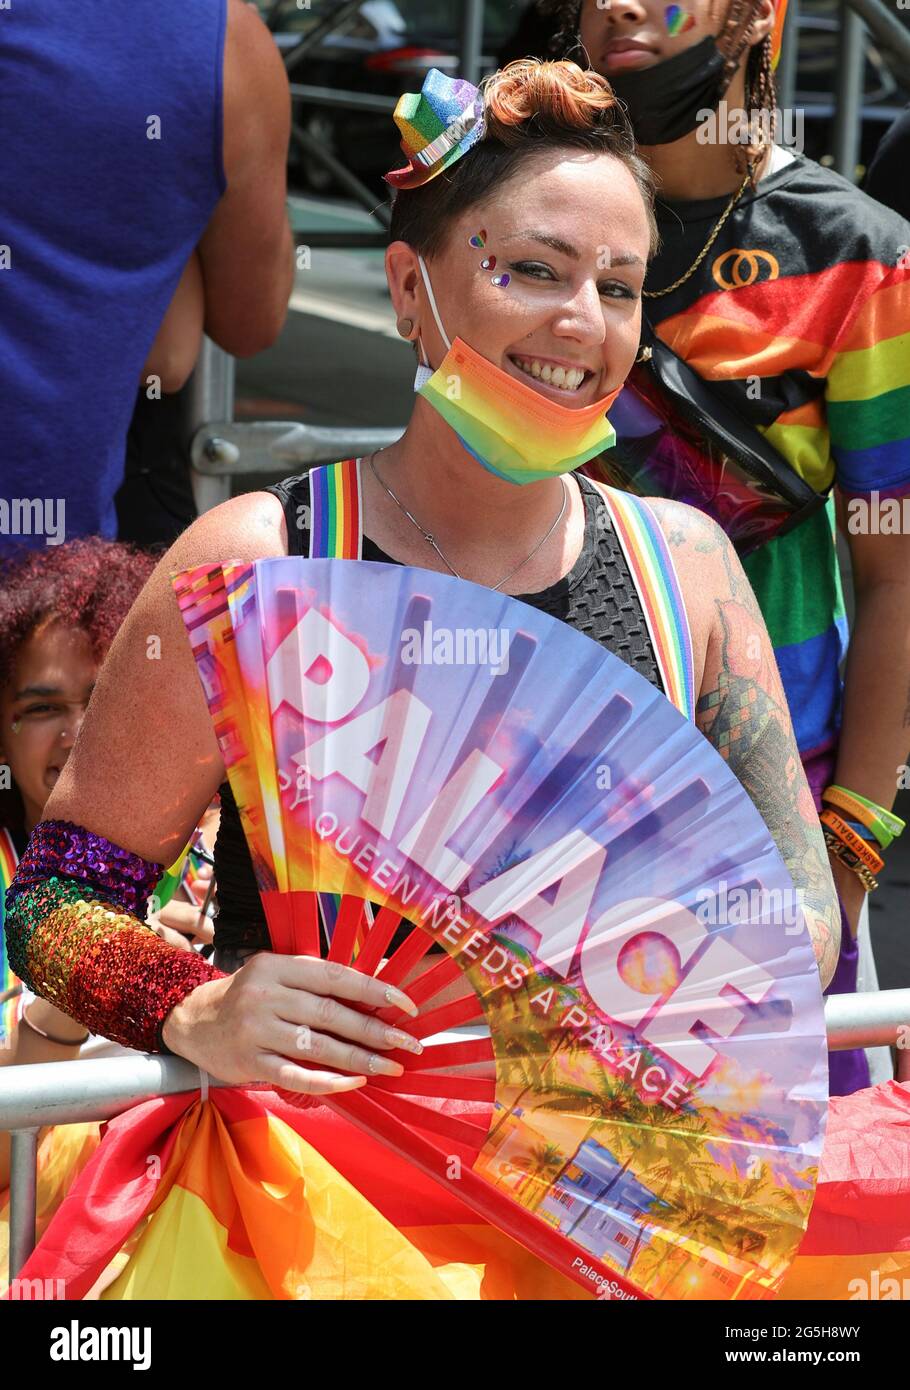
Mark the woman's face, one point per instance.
(46, 701)
(626, 35)
(571, 233)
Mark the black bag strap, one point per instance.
(715, 417)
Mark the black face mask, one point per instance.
(664, 100)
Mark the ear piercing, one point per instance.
(16, 725)
(405, 327)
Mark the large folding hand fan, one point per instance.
(624, 1063)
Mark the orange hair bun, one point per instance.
(559, 94)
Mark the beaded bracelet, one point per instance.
(849, 859)
(860, 847)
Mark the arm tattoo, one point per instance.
(745, 717)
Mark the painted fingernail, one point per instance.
(396, 1038)
(385, 1065)
(398, 1000)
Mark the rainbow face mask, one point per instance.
(510, 428)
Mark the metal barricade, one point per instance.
(59, 1093)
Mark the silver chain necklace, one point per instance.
(431, 540)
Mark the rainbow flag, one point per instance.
(857, 1244)
(260, 1199)
(8, 981)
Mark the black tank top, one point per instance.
(597, 597)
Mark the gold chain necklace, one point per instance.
(657, 294)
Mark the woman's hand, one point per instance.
(277, 1012)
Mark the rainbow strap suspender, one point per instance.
(654, 576)
(336, 534)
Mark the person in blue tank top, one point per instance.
(146, 143)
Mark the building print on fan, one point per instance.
(601, 1205)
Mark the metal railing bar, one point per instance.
(888, 30)
(471, 40)
(221, 450)
(23, 1205)
(349, 101)
(294, 56)
(365, 196)
(786, 72)
(342, 241)
(52, 1093)
(851, 58)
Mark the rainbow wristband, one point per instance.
(885, 826)
(860, 847)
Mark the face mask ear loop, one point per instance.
(429, 289)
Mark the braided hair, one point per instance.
(761, 91)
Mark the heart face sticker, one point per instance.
(488, 263)
(501, 280)
(678, 20)
(479, 239)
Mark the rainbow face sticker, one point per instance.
(678, 20)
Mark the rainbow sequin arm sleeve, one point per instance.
(75, 935)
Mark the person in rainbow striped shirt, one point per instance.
(787, 290)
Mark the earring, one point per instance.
(643, 354)
(16, 725)
(405, 327)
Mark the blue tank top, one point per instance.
(110, 168)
